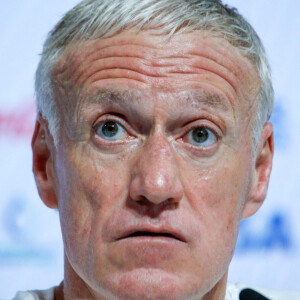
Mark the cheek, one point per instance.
(88, 192)
(221, 186)
(94, 181)
(217, 196)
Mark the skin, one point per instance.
(152, 177)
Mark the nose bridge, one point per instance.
(156, 177)
(158, 162)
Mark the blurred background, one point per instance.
(31, 252)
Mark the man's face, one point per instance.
(154, 169)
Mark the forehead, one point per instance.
(154, 64)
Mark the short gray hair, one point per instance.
(93, 19)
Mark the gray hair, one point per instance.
(93, 19)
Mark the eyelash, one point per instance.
(206, 127)
(122, 123)
(197, 149)
(111, 118)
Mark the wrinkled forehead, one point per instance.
(148, 63)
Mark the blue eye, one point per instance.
(201, 136)
(111, 131)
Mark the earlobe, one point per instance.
(262, 171)
(43, 163)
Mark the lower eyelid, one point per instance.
(196, 152)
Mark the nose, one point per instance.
(156, 174)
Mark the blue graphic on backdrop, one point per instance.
(278, 120)
(20, 244)
(275, 235)
(13, 220)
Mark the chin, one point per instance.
(153, 284)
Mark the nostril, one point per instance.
(141, 200)
(171, 203)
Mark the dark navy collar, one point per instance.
(249, 294)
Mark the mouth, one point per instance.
(152, 234)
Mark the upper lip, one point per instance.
(159, 230)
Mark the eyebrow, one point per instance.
(193, 98)
(196, 98)
(116, 96)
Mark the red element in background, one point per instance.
(18, 122)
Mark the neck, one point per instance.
(74, 287)
(218, 292)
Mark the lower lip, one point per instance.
(153, 242)
(151, 239)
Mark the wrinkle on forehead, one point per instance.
(149, 54)
(157, 65)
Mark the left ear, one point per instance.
(262, 171)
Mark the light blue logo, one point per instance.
(278, 120)
(20, 244)
(275, 235)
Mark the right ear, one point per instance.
(43, 163)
